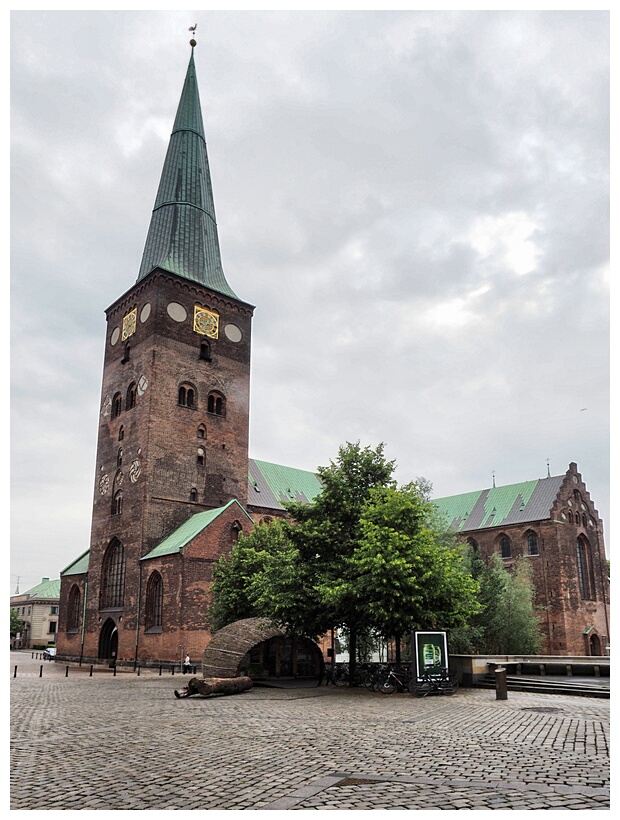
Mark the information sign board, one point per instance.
(430, 650)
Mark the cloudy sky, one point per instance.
(416, 202)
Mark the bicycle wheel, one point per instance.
(387, 686)
(450, 687)
(422, 689)
(370, 683)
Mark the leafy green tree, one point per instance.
(17, 624)
(403, 574)
(521, 628)
(364, 556)
(238, 578)
(506, 622)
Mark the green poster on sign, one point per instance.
(430, 650)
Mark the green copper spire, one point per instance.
(182, 236)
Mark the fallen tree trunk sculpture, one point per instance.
(214, 686)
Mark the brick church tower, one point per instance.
(172, 451)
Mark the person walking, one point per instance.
(187, 665)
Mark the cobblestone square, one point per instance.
(124, 742)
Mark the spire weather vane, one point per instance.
(193, 28)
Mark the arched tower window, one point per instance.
(200, 457)
(532, 543)
(205, 350)
(585, 574)
(216, 404)
(119, 457)
(126, 353)
(132, 392)
(121, 433)
(193, 494)
(504, 546)
(202, 431)
(234, 532)
(112, 589)
(117, 405)
(187, 396)
(154, 601)
(117, 503)
(74, 609)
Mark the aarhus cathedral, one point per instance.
(175, 486)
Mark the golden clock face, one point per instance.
(206, 322)
(129, 324)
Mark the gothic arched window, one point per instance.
(585, 574)
(74, 609)
(117, 405)
(473, 545)
(117, 503)
(532, 543)
(234, 532)
(504, 546)
(112, 590)
(154, 601)
(132, 392)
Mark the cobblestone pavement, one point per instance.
(125, 742)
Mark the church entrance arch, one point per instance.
(108, 641)
(595, 645)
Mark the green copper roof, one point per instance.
(79, 566)
(46, 589)
(271, 484)
(501, 506)
(194, 525)
(182, 237)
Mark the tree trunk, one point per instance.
(352, 655)
(214, 686)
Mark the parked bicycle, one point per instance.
(392, 680)
(372, 674)
(339, 675)
(442, 682)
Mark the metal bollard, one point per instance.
(67, 672)
(160, 670)
(90, 674)
(138, 671)
(15, 673)
(41, 671)
(501, 687)
(114, 675)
